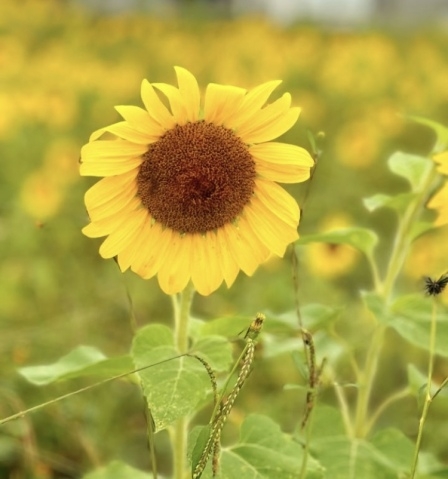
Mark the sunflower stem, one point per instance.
(403, 238)
(400, 250)
(182, 305)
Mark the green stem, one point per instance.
(428, 398)
(182, 317)
(375, 273)
(345, 411)
(365, 381)
(179, 431)
(402, 243)
(403, 238)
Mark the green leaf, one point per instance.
(82, 361)
(263, 452)
(388, 455)
(430, 467)
(362, 239)
(232, 326)
(412, 320)
(397, 202)
(175, 387)
(216, 350)
(411, 167)
(118, 470)
(327, 422)
(374, 202)
(375, 304)
(396, 449)
(228, 326)
(316, 316)
(440, 130)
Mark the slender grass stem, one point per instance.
(20, 414)
(428, 398)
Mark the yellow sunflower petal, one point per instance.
(189, 90)
(274, 129)
(140, 120)
(269, 228)
(205, 272)
(128, 255)
(111, 157)
(177, 105)
(247, 263)
(109, 167)
(282, 154)
(245, 247)
(120, 238)
(278, 201)
(124, 130)
(154, 251)
(174, 272)
(120, 149)
(113, 222)
(266, 116)
(439, 203)
(107, 188)
(271, 122)
(94, 230)
(442, 160)
(252, 103)
(220, 103)
(292, 174)
(227, 262)
(282, 162)
(140, 254)
(121, 200)
(156, 109)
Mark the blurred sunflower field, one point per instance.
(62, 69)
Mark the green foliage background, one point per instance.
(62, 70)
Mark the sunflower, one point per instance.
(191, 193)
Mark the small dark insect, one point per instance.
(435, 287)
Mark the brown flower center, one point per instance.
(196, 177)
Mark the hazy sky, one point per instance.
(284, 10)
(281, 9)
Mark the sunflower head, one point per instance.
(189, 192)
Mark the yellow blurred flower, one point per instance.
(439, 201)
(61, 161)
(428, 255)
(189, 197)
(9, 115)
(329, 260)
(43, 191)
(358, 143)
(40, 195)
